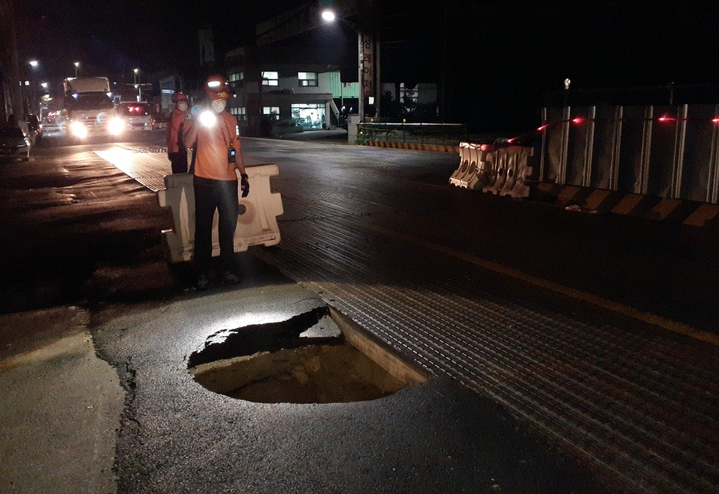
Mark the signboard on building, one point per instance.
(366, 63)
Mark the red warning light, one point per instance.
(578, 120)
(665, 118)
(715, 120)
(543, 127)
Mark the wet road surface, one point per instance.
(362, 229)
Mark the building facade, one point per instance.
(280, 96)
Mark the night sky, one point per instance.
(498, 56)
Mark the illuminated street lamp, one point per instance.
(77, 65)
(366, 62)
(137, 86)
(31, 87)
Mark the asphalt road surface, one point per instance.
(532, 318)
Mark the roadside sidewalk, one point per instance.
(60, 408)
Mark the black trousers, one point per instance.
(210, 195)
(178, 161)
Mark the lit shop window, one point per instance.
(236, 79)
(272, 111)
(270, 79)
(307, 79)
(240, 112)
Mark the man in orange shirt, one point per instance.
(218, 157)
(176, 150)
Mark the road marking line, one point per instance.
(626, 310)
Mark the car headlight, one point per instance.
(208, 118)
(116, 125)
(78, 129)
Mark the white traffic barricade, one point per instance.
(472, 158)
(256, 223)
(511, 171)
(464, 157)
(525, 170)
(496, 177)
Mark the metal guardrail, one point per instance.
(446, 134)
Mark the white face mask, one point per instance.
(182, 106)
(218, 106)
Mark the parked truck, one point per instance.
(88, 107)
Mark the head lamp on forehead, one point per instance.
(214, 84)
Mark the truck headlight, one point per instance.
(208, 118)
(78, 129)
(116, 125)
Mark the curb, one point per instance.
(436, 148)
(653, 208)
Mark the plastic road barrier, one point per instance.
(503, 170)
(472, 158)
(256, 224)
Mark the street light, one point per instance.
(32, 87)
(138, 86)
(328, 16)
(77, 65)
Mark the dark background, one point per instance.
(497, 57)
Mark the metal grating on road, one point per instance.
(146, 148)
(638, 405)
(142, 166)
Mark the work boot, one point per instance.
(230, 278)
(202, 283)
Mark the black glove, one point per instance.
(245, 184)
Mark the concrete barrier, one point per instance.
(256, 224)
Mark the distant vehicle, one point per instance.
(136, 115)
(159, 121)
(87, 106)
(14, 143)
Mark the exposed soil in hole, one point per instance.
(304, 359)
(310, 374)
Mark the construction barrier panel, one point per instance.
(666, 151)
(256, 223)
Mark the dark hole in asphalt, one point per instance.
(305, 359)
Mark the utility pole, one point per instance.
(9, 41)
(378, 81)
(368, 53)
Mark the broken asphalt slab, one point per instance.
(176, 436)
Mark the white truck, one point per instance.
(88, 107)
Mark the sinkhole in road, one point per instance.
(319, 356)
